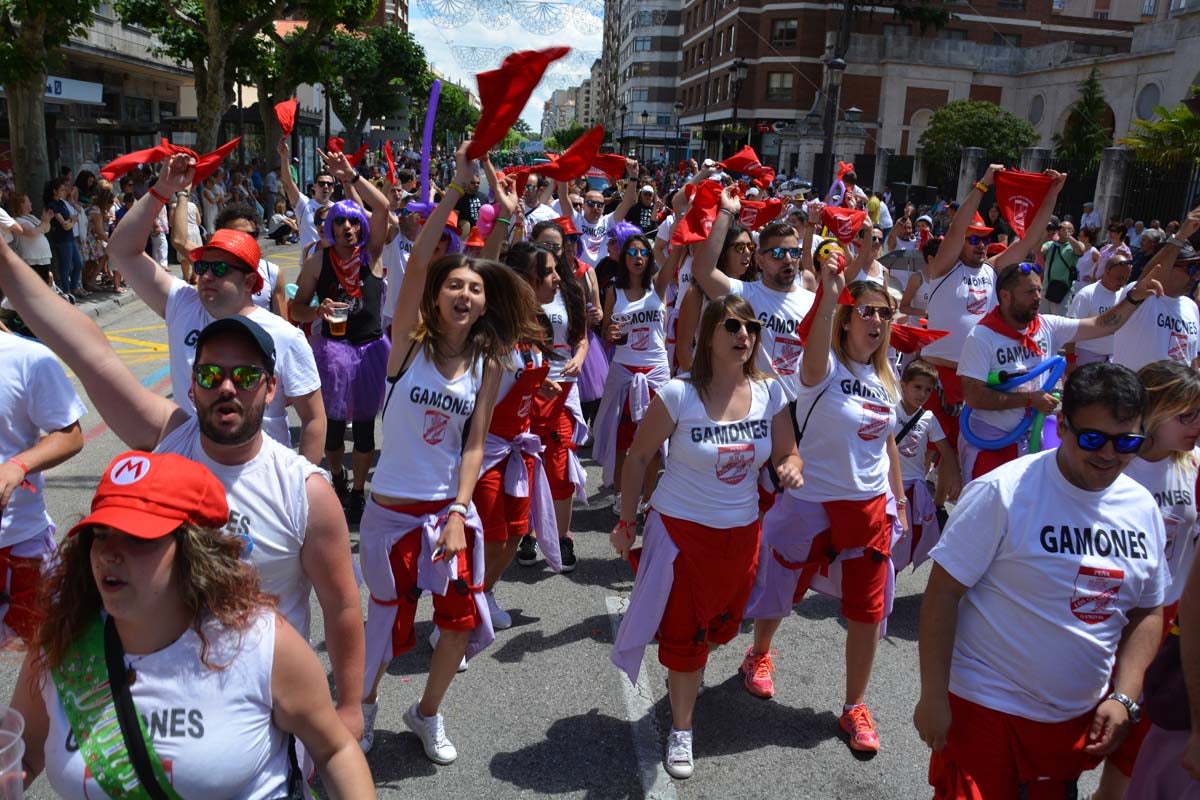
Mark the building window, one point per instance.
(720, 42)
(1011, 5)
(664, 120)
(953, 35)
(641, 44)
(779, 86)
(639, 95)
(1006, 39)
(1057, 5)
(783, 32)
(732, 31)
(891, 29)
(1149, 7)
(166, 110)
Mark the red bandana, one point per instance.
(285, 112)
(1020, 196)
(911, 338)
(337, 145)
(843, 223)
(205, 165)
(348, 271)
(577, 158)
(391, 162)
(993, 321)
(503, 93)
(698, 221)
(611, 164)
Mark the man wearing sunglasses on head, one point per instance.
(777, 297)
(591, 221)
(304, 205)
(1014, 338)
(282, 505)
(959, 288)
(1096, 298)
(1167, 327)
(1049, 574)
(228, 277)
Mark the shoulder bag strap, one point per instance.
(908, 426)
(804, 425)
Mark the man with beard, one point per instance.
(282, 505)
(959, 288)
(592, 223)
(1014, 338)
(228, 278)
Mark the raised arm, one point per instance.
(666, 276)
(178, 223)
(713, 281)
(1035, 233)
(372, 199)
(629, 193)
(506, 203)
(285, 173)
(1111, 321)
(951, 247)
(814, 364)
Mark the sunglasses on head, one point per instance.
(325, 184)
(732, 325)
(780, 252)
(219, 268)
(1093, 440)
(637, 251)
(744, 247)
(867, 311)
(1026, 267)
(974, 241)
(245, 378)
(595, 203)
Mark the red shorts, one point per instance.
(626, 427)
(714, 573)
(951, 393)
(20, 579)
(855, 523)
(455, 610)
(988, 460)
(503, 516)
(990, 754)
(554, 425)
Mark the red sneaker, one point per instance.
(756, 673)
(857, 723)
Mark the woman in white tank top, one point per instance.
(420, 530)
(635, 317)
(219, 678)
(737, 261)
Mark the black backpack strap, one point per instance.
(908, 426)
(804, 425)
(127, 716)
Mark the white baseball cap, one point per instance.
(752, 192)
(647, 188)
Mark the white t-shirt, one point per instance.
(780, 314)
(295, 366)
(395, 261)
(1051, 573)
(263, 297)
(33, 249)
(1160, 328)
(645, 319)
(35, 398)
(711, 474)
(986, 351)
(1172, 484)
(954, 303)
(845, 439)
(542, 213)
(1091, 301)
(6, 223)
(594, 238)
(925, 432)
(306, 208)
(556, 312)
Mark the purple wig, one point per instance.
(622, 231)
(352, 211)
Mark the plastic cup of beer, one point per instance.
(623, 322)
(337, 319)
(12, 750)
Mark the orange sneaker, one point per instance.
(857, 723)
(756, 673)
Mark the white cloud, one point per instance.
(437, 42)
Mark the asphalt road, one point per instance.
(544, 712)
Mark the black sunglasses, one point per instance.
(246, 378)
(325, 184)
(1093, 440)
(595, 203)
(732, 325)
(343, 220)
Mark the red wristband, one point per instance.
(24, 467)
(457, 513)
(157, 196)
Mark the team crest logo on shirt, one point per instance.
(639, 339)
(526, 404)
(435, 426)
(785, 355)
(977, 301)
(1177, 347)
(875, 419)
(1019, 208)
(734, 462)
(908, 448)
(1096, 592)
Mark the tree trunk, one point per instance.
(268, 95)
(211, 98)
(27, 118)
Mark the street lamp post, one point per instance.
(624, 109)
(645, 119)
(679, 129)
(737, 74)
(834, 68)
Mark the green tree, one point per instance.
(563, 138)
(1173, 135)
(522, 128)
(31, 33)
(370, 73)
(455, 114)
(972, 123)
(1089, 127)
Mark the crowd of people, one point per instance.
(775, 409)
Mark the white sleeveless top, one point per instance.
(954, 303)
(270, 273)
(424, 424)
(645, 319)
(556, 311)
(268, 509)
(212, 730)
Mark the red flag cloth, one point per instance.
(519, 174)
(285, 112)
(577, 158)
(843, 223)
(503, 93)
(335, 144)
(993, 321)
(844, 169)
(764, 177)
(205, 165)
(764, 210)
(698, 222)
(1020, 196)
(611, 164)
(358, 155)
(391, 161)
(743, 161)
(911, 338)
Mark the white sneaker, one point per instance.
(432, 733)
(369, 710)
(433, 640)
(501, 619)
(617, 504)
(679, 753)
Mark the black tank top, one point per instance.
(364, 324)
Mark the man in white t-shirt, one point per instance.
(39, 429)
(283, 506)
(1049, 573)
(188, 309)
(1096, 298)
(403, 230)
(1167, 326)
(593, 224)
(533, 201)
(1014, 338)
(306, 207)
(9, 227)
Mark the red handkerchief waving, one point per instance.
(745, 161)
(337, 145)
(611, 164)
(1020, 195)
(285, 112)
(391, 161)
(577, 158)
(205, 165)
(844, 299)
(844, 169)
(843, 223)
(697, 223)
(909, 339)
(504, 92)
(763, 211)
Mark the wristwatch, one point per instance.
(1135, 711)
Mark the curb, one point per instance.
(97, 309)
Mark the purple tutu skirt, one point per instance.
(353, 376)
(595, 370)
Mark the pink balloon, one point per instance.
(487, 213)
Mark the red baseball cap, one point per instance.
(238, 244)
(149, 495)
